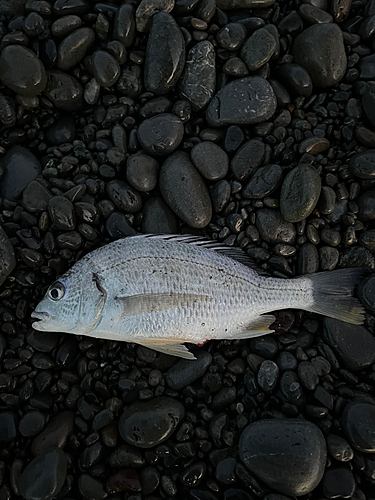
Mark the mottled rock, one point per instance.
(264, 182)
(64, 91)
(105, 68)
(258, 49)
(7, 256)
(362, 165)
(161, 134)
(211, 161)
(146, 10)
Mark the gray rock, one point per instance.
(258, 49)
(185, 371)
(147, 424)
(211, 161)
(8, 427)
(243, 4)
(366, 205)
(124, 197)
(64, 91)
(295, 78)
(146, 10)
(74, 48)
(55, 434)
(105, 68)
(272, 228)
(27, 77)
(362, 165)
(161, 134)
(7, 256)
(358, 423)
(198, 79)
(232, 36)
(248, 159)
(287, 455)
(65, 25)
(61, 211)
(267, 375)
(142, 171)
(184, 190)
(130, 81)
(300, 193)
(158, 218)
(308, 259)
(320, 49)
(124, 25)
(264, 182)
(21, 167)
(35, 197)
(165, 55)
(242, 102)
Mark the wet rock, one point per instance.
(295, 78)
(268, 375)
(366, 292)
(211, 161)
(232, 36)
(358, 422)
(55, 434)
(339, 448)
(74, 48)
(117, 226)
(124, 480)
(124, 25)
(67, 7)
(220, 195)
(62, 131)
(64, 91)
(198, 79)
(185, 371)
(21, 167)
(7, 256)
(62, 214)
(338, 482)
(320, 50)
(288, 455)
(124, 197)
(161, 134)
(300, 193)
(130, 82)
(35, 197)
(27, 77)
(91, 488)
(105, 68)
(258, 49)
(65, 25)
(272, 228)
(353, 344)
(146, 10)
(264, 182)
(248, 159)
(158, 218)
(32, 423)
(308, 259)
(142, 171)
(327, 200)
(366, 205)
(146, 424)
(362, 165)
(242, 102)
(44, 476)
(165, 54)
(243, 4)
(184, 190)
(8, 428)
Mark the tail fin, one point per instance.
(333, 295)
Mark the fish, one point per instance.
(162, 291)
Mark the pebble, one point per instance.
(147, 424)
(268, 375)
(287, 455)
(21, 167)
(158, 218)
(65, 25)
(62, 214)
(248, 159)
(366, 205)
(165, 54)
(28, 77)
(320, 50)
(304, 180)
(358, 423)
(64, 91)
(44, 476)
(105, 68)
(31, 423)
(142, 171)
(185, 372)
(7, 256)
(232, 36)
(339, 448)
(161, 134)
(362, 165)
(184, 190)
(258, 49)
(146, 10)
(211, 160)
(353, 344)
(338, 482)
(8, 426)
(124, 25)
(264, 182)
(272, 228)
(246, 101)
(91, 488)
(124, 197)
(198, 80)
(295, 78)
(74, 48)
(62, 131)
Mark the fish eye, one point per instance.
(56, 291)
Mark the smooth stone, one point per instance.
(272, 228)
(186, 371)
(198, 80)
(142, 171)
(300, 193)
(105, 68)
(158, 218)
(220, 195)
(243, 4)
(288, 455)
(366, 67)
(65, 25)
(67, 7)
(165, 55)
(366, 205)
(291, 24)
(35, 197)
(124, 197)
(61, 211)
(147, 424)
(155, 106)
(248, 159)
(161, 134)
(358, 423)
(55, 434)
(184, 190)
(264, 182)
(233, 138)
(320, 50)
(353, 344)
(7, 256)
(232, 36)
(339, 448)
(314, 15)
(235, 67)
(366, 294)
(368, 104)
(31, 423)
(146, 10)
(268, 375)
(27, 77)
(129, 83)
(314, 145)
(367, 240)
(329, 258)
(295, 78)
(62, 131)
(258, 49)
(242, 102)
(327, 200)
(44, 476)
(364, 135)
(338, 482)
(308, 259)
(64, 91)
(21, 167)
(210, 159)
(8, 427)
(117, 226)
(124, 25)
(74, 48)
(362, 165)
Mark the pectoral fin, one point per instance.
(154, 302)
(172, 347)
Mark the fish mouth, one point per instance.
(42, 318)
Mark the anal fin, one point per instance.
(257, 328)
(173, 347)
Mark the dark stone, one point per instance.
(184, 190)
(353, 344)
(27, 77)
(124, 25)
(198, 79)
(21, 167)
(105, 68)
(67, 7)
(147, 424)
(91, 488)
(288, 455)
(32, 423)
(366, 205)
(248, 159)
(258, 49)
(74, 48)
(124, 197)
(193, 475)
(64, 91)
(368, 105)
(300, 193)
(308, 375)
(185, 371)
(65, 25)
(44, 476)
(338, 482)
(62, 214)
(358, 422)
(130, 82)
(7, 256)
(165, 54)
(117, 226)
(362, 165)
(232, 36)
(220, 195)
(339, 448)
(242, 102)
(291, 24)
(55, 434)
(158, 218)
(142, 171)
(62, 131)
(272, 228)
(264, 182)
(366, 292)
(146, 11)
(123, 480)
(308, 259)
(8, 428)
(320, 50)
(161, 134)
(211, 161)
(268, 375)
(366, 67)
(295, 78)
(327, 200)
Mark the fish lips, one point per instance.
(43, 320)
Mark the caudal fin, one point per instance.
(333, 295)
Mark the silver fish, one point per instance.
(161, 291)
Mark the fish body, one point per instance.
(162, 291)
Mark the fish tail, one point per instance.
(333, 295)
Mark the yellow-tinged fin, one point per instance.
(154, 302)
(257, 328)
(172, 347)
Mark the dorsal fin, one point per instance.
(203, 242)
